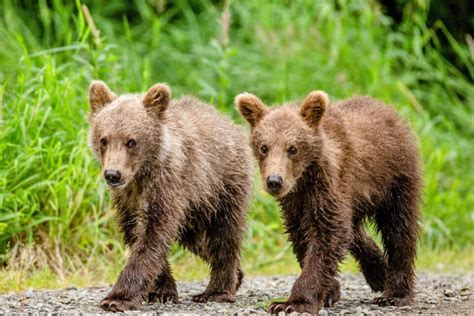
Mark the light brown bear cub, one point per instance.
(177, 170)
(330, 168)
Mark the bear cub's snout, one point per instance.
(274, 183)
(112, 177)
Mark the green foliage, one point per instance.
(51, 197)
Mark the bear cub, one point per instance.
(331, 168)
(177, 170)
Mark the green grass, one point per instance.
(55, 215)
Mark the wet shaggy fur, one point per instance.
(185, 175)
(339, 166)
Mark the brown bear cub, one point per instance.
(177, 170)
(330, 168)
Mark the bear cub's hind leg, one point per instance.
(224, 236)
(370, 258)
(397, 220)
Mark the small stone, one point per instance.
(72, 288)
(448, 293)
(253, 311)
(29, 293)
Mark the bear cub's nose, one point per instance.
(112, 176)
(274, 183)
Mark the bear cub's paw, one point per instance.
(118, 305)
(392, 301)
(218, 297)
(332, 296)
(293, 307)
(163, 295)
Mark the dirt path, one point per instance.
(440, 294)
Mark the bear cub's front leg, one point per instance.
(164, 289)
(316, 287)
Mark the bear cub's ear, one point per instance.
(251, 108)
(157, 98)
(313, 107)
(99, 96)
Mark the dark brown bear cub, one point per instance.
(177, 170)
(330, 168)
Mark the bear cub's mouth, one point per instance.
(116, 185)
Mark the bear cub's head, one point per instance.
(125, 130)
(285, 140)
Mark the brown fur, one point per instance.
(331, 168)
(186, 175)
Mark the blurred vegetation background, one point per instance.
(56, 222)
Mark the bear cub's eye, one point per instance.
(131, 143)
(263, 149)
(103, 142)
(292, 151)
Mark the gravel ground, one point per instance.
(439, 294)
